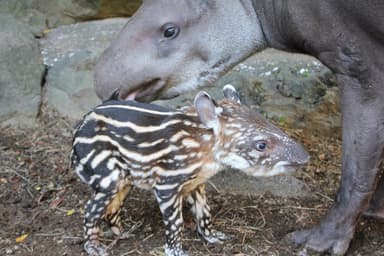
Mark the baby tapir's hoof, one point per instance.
(215, 237)
(93, 249)
(175, 252)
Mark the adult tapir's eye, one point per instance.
(170, 30)
(260, 145)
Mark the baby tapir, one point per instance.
(172, 153)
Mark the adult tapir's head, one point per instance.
(171, 46)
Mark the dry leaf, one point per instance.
(70, 212)
(21, 238)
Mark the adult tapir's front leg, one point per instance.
(363, 139)
(376, 205)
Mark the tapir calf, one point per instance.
(171, 46)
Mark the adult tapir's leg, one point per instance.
(363, 136)
(376, 205)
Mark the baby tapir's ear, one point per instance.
(114, 96)
(207, 110)
(231, 93)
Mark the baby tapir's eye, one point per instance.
(170, 30)
(260, 145)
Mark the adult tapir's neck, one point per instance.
(325, 29)
(274, 18)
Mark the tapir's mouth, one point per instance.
(290, 168)
(145, 92)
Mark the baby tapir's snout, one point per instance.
(284, 157)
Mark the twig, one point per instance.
(243, 239)
(72, 237)
(244, 229)
(214, 187)
(49, 234)
(146, 238)
(132, 251)
(299, 208)
(324, 196)
(17, 174)
(206, 248)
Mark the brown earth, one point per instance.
(41, 204)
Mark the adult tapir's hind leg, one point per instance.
(376, 205)
(363, 142)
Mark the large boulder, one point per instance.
(116, 8)
(47, 14)
(70, 53)
(21, 73)
(291, 89)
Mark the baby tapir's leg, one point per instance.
(112, 213)
(94, 210)
(170, 202)
(198, 201)
(103, 205)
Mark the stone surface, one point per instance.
(47, 14)
(116, 8)
(236, 182)
(20, 74)
(70, 52)
(292, 89)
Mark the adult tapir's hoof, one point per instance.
(321, 239)
(374, 214)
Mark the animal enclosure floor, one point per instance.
(41, 204)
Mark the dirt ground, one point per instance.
(41, 204)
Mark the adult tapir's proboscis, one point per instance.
(171, 46)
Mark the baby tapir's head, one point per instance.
(245, 139)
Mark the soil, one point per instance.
(42, 200)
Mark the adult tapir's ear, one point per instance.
(207, 111)
(231, 93)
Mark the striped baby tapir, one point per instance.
(120, 144)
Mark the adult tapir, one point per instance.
(171, 46)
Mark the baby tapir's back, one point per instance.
(135, 138)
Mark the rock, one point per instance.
(70, 52)
(24, 11)
(20, 74)
(47, 14)
(291, 89)
(116, 8)
(236, 182)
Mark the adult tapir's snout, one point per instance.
(130, 64)
(172, 46)
(126, 72)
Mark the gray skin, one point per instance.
(146, 62)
